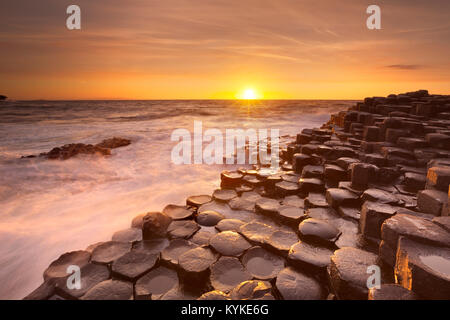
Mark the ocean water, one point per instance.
(50, 207)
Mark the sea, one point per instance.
(49, 207)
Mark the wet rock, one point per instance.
(110, 251)
(177, 212)
(267, 206)
(155, 225)
(155, 284)
(252, 290)
(229, 243)
(175, 249)
(227, 273)
(224, 195)
(320, 231)
(380, 196)
(195, 265)
(197, 201)
(58, 268)
(281, 241)
(182, 229)
(294, 285)
(373, 215)
(423, 269)
(286, 188)
(391, 292)
(230, 225)
(128, 235)
(202, 237)
(316, 200)
(262, 264)
(214, 295)
(91, 275)
(209, 218)
(340, 197)
(113, 143)
(290, 215)
(152, 246)
(438, 178)
(256, 231)
(110, 290)
(432, 201)
(134, 264)
(71, 150)
(348, 273)
(306, 255)
(230, 179)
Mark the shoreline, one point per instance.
(365, 186)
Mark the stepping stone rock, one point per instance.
(155, 225)
(58, 268)
(256, 231)
(177, 212)
(175, 249)
(308, 185)
(290, 215)
(110, 290)
(423, 269)
(251, 196)
(340, 197)
(241, 204)
(316, 200)
(335, 173)
(214, 295)
(326, 214)
(152, 246)
(380, 196)
(303, 254)
(155, 284)
(262, 264)
(209, 218)
(128, 235)
(224, 195)
(182, 229)
(231, 179)
(316, 230)
(267, 206)
(391, 292)
(195, 265)
(227, 273)
(443, 222)
(310, 171)
(438, 178)
(281, 241)
(178, 293)
(294, 285)
(415, 181)
(252, 290)
(110, 251)
(229, 225)
(373, 215)
(134, 264)
(293, 201)
(229, 243)
(344, 162)
(432, 202)
(348, 273)
(286, 188)
(202, 237)
(348, 212)
(197, 201)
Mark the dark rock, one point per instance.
(155, 284)
(335, 173)
(152, 246)
(113, 143)
(303, 254)
(311, 185)
(128, 235)
(138, 221)
(349, 212)
(109, 251)
(256, 231)
(345, 163)
(362, 174)
(241, 204)
(316, 200)
(155, 225)
(316, 230)
(195, 265)
(300, 160)
(175, 249)
(202, 237)
(252, 290)
(438, 178)
(179, 293)
(229, 225)
(227, 273)
(224, 195)
(379, 196)
(281, 241)
(230, 179)
(197, 201)
(293, 201)
(110, 290)
(182, 229)
(340, 197)
(373, 215)
(286, 188)
(71, 150)
(267, 206)
(209, 218)
(229, 243)
(311, 171)
(443, 222)
(391, 292)
(432, 201)
(134, 264)
(294, 285)
(262, 264)
(58, 268)
(415, 181)
(348, 273)
(290, 215)
(438, 140)
(177, 212)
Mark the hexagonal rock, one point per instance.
(378, 195)
(286, 188)
(262, 264)
(155, 225)
(209, 218)
(391, 292)
(373, 215)
(58, 268)
(197, 201)
(443, 222)
(438, 178)
(91, 275)
(303, 255)
(214, 295)
(413, 227)
(290, 215)
(224, 195)
(194, 265)
(415, 181)
(251, 196)
(241, 204)
(316, 200)
(256, 231)
(109, 251)
(281, 241)
(179, 293)
(348, 273)
(349, 212)
(344, 162)
(411, 143)
(267, 206)
(340, 197)
(387, 253)
(152, 246)
(326, 214)
(155, 283)
(361, 174)
(227, 273)
(177, 212)
(316, 230)
(293, 201)
(230, 225)
(134, 264)
(182, 229)
(294, 285)
(438, 140)
(252, 290)
(423, 269)
(175, 249)
(311, 171)
(110, 290)
(128, 235)
(308, 185)
(230, 179)
(432, 201)
(335, 173)
(202, 237)
(371, 133)
(299, 160)
(229, 243)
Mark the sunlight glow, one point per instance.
(249, 94)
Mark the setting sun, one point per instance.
(249, 94)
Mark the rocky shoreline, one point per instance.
(367, 190)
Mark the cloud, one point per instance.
(405, 66)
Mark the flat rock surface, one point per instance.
(229, 243)
(294, 285)
(128, 235)
(175, 249)
(110, 290)
(182, 229)
(252, 290)
(134, 264)
(224, 195)
(110, 251)
(304, 253)
(391, 292)
(281, 241)
(197, 259)
(177, 212)
(229, 225)
(227, 273)
(58, 268)
(262, 264)
(318, 230)
(156, 283)
(197, 201)
(209, 218)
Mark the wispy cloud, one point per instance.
(405, 66)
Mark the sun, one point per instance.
(249, 94)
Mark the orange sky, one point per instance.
(202, 49)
